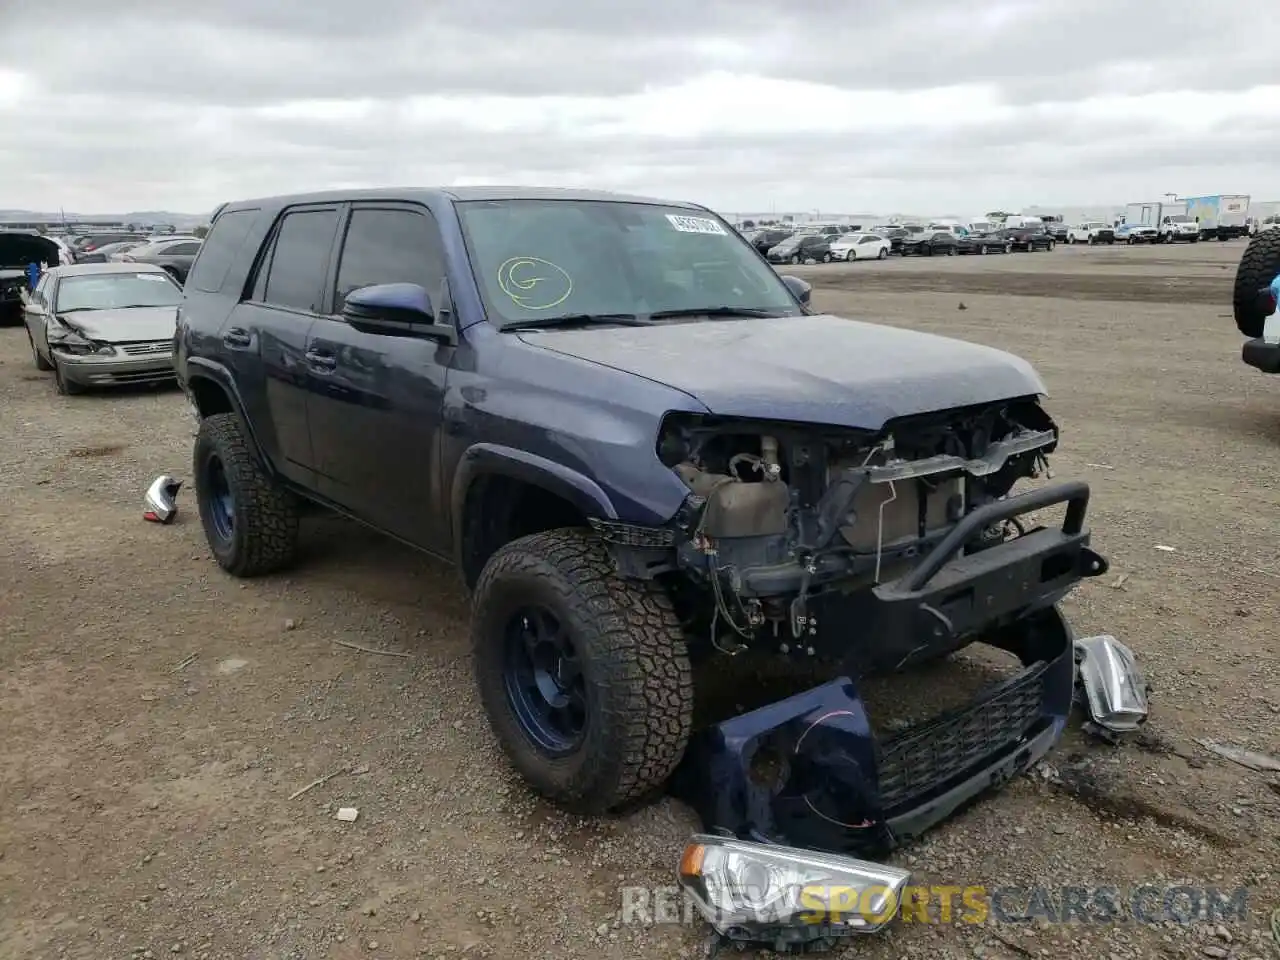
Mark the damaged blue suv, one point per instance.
(643, 450)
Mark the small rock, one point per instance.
(290, 624)
(416, 917)
(1212, 951)
(602, 930)
(1222, 933)
(1020, 831)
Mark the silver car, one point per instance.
(103, 324)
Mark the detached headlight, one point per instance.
(1114, 689)
(765, 893)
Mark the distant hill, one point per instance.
(135, 216)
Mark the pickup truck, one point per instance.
(644, 452)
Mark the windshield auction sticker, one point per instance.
(696, 225)
(534, 283)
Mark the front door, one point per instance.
(375, 400)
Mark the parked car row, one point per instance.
(878, 243)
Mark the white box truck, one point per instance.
(1222, 216)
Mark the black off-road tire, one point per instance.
(1258, 267)
(631, 650)
(265, 534)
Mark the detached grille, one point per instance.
(148, 349)
(928, 755)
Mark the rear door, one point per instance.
(265, 337)
(375, 400)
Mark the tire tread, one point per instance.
(639, 648)
(266, 514)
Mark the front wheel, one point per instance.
(849, 257)
(65, 387)
(583, 675)
(951, 251)
(883, 254)
(249, 520)
(1052, 244)
(797, 259)
(41, 364)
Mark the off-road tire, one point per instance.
(265, 534)
(1258, 267)
(37, 358)
(634, 661)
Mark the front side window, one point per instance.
(389, 246)
(116, 291)
(547, 258)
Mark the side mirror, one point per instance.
(398, 310)
(801, 288)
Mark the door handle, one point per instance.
(237, 338)
(322, 361)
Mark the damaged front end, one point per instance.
(871, 552)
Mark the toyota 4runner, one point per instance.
(642, 449)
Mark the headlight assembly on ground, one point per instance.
(762, 893)
(1114, 690)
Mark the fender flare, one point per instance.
(205, 369)
(489, 459)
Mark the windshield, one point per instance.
(117, 291)
(1180, 220)
(537, 259)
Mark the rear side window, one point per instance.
(219, 250)
(300, 258)
(180, 249)
(389, 246)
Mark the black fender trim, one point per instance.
(201, 367)
(483, 459)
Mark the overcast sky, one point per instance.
(844, 105)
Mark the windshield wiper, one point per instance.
(77, 309)
(578, 320)
(715, 312)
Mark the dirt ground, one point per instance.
(158, 716)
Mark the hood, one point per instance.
(809, 369)
(19, 249)
(123, 326)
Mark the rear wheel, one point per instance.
(584, 676)
(1258, 268)
(882, 254)
(249, 520)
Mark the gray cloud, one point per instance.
(132, 109)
